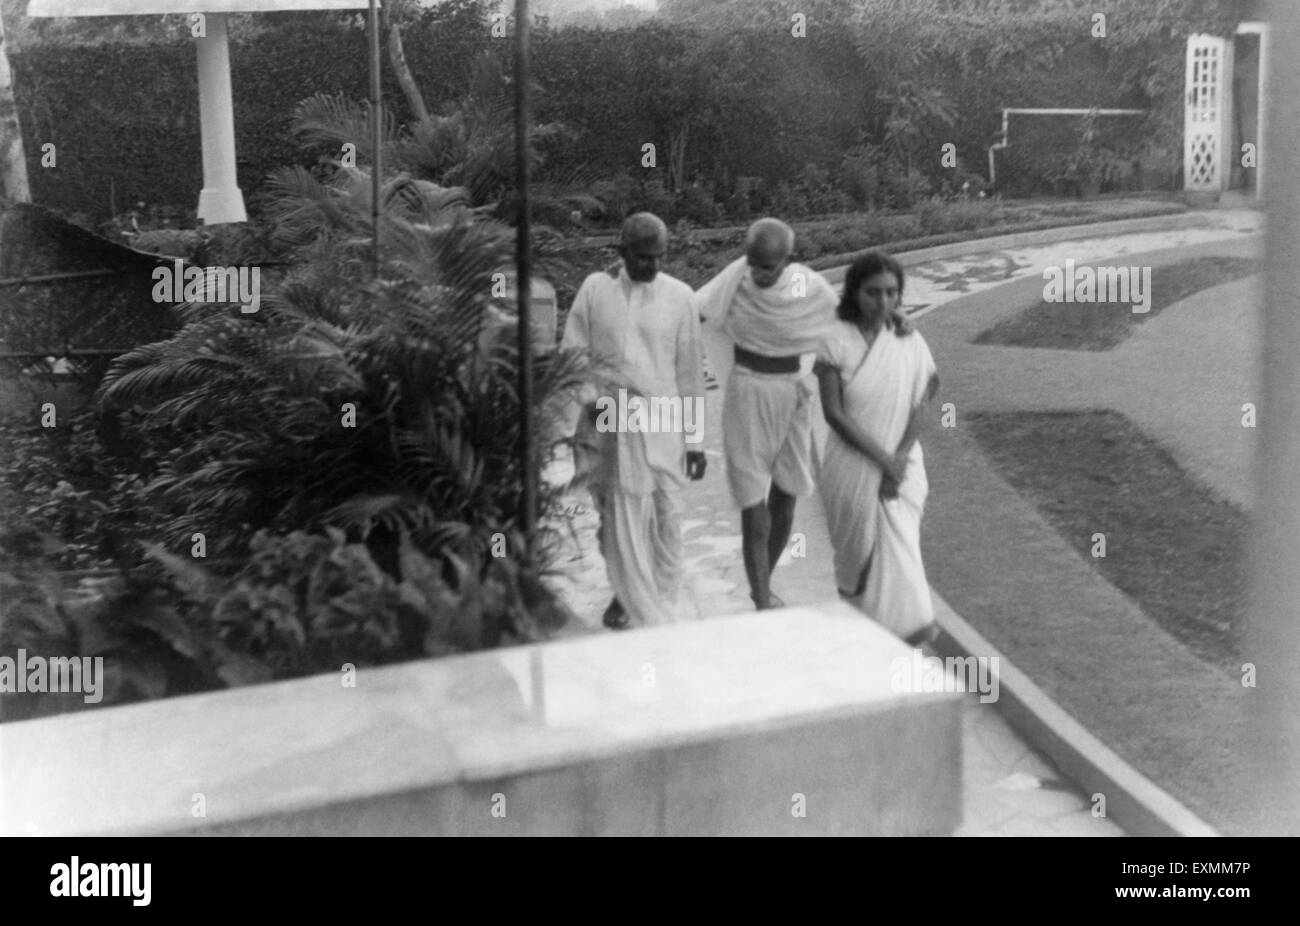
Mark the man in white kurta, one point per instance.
(777, 313)
(641, 329)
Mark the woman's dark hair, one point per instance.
(864, 268)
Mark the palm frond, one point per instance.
(334, 121)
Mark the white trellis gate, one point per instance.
(1208, 113)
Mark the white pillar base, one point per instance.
(220, 206)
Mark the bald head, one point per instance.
(770, 236)
(768, 245)
(643, 228)
(642, 245)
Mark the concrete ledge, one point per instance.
(1180, 220)
(1133, 801)
(777, 723)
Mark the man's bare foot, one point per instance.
(773, 602)
(616, 618)
(925, 637)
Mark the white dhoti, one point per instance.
(877, 542)
(640, 530)
(640, 539)
(767, 434)
(647, 335)
(768, 418)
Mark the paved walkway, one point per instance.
(1010, 789)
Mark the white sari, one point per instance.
(878, 543)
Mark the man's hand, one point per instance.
(695, 465)
(903, 459)
(896, 471)
(901, 322)
(888, 488)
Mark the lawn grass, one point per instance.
(1102, 326)
(1171, 546)
(1143, 647)
(1146, 654)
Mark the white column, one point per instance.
(221, 200)
(13, 158)
(1273, 630)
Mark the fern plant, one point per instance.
(469, 146)
(380, 406)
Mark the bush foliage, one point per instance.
(332, 478)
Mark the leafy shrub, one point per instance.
(307, 603)
(746, 197)
(375, 407)
(654, 197)
(615, 195)
(301, 604)
(932, 215)
(149, 646)
(68, 483)
(938, 217)
(860, 175)
(903, 190)
(357, 433)
(696, 204)
(813, 192)
(960, 184)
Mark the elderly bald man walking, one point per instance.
(776, 312)
(640, 327)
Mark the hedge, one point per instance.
(753, 102)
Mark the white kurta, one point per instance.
(646, 339)
(767, 425)
(881, 387)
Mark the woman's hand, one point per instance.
(888, 488)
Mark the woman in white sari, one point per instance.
(875, 376)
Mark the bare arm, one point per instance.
(832, 395)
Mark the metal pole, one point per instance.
(376, 125)
(523, 279)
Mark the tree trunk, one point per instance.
(13, 157)
(397, 59)
(677, 157)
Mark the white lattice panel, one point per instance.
(1209, 99)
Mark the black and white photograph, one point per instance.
(651, 418)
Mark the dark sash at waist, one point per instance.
(760, 364)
